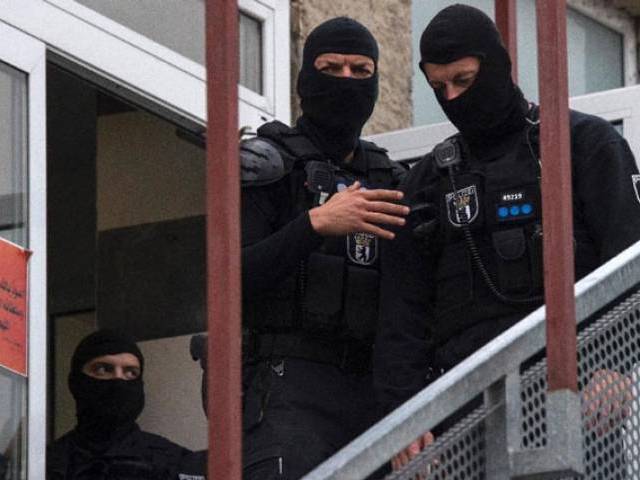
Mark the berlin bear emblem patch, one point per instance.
(462, 206)
(635, 179)
(362, 248)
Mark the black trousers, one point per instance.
(297, 413)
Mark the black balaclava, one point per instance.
(104, 408)
(335, 109)
(493, 106)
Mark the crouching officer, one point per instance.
(107, 444)
(314, 198)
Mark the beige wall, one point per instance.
(145, 173)
(390, 23)
(70, 329)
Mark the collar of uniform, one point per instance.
(358, 163)
(487, 153)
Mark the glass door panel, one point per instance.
(23, 222)
(13, 227)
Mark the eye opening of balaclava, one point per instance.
(493, 105)
(334, 109)
(105, 406)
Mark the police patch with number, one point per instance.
(362, 248)
(635, 179)
(462, 206)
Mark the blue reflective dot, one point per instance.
(503, 212)
(514, 211)
(527, 208)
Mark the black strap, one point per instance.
(297, 144)
(349, 355)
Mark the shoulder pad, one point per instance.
(370, 146)
(377, 157)
(274, 129)
(399, 171)
(260, 163)
(291, 140)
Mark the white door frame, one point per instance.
(620, 104)
(28, 55)
(131, 64)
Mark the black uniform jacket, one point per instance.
(137, 455)
(436, 309)
(276, 229)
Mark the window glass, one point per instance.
(177, 24)
(13, 217)
(586, 39)
(250, 52)
(12, 154)
(180, 26)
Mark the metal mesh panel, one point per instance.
(608, 378)
(609, 381)
(457, 454)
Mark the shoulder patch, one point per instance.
(260, 163)
(372, 146)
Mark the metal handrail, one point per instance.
(474, 375)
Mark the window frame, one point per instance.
(164, 81)
(27, 54)
(616, 20)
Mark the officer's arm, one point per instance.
(271, 251)
(269, 254)
(607, 195)
(400, 354)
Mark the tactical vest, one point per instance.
(501, 200)
(335, 291)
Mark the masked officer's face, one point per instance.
(121, 366)
(345, 65)
(452, 79)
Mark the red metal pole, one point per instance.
(223, 242)
(506, 16)
(556, 195)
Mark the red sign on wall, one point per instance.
(13, 307)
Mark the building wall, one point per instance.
(390, 23)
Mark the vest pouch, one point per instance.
(514, 274)
(322, 303)
(454, 279)
(274, 311)
(361, 302)
(536, 258)
(586, 255)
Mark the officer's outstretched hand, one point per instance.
(606, 401)
(358, 210)
(403, 458)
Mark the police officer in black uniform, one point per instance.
(314, 198)
(107, 444)
(468, 265)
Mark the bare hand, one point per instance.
(606, 401)
(359, 210)
(405, 456)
